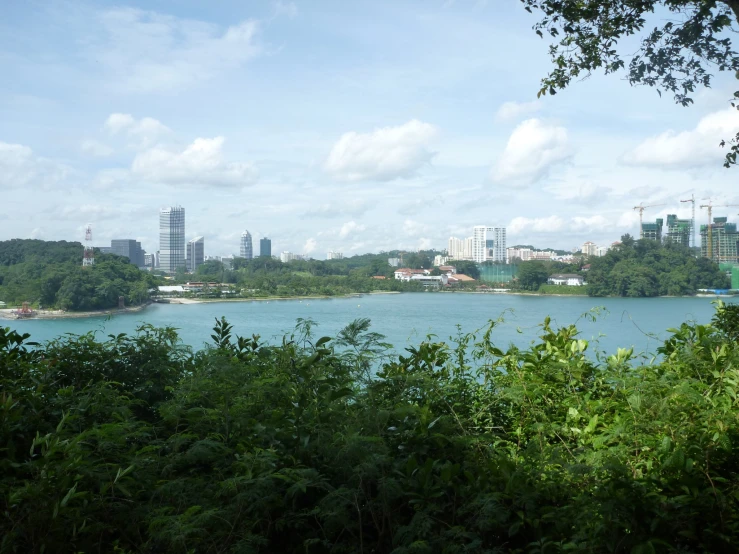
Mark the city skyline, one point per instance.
(413, 130)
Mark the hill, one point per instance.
(648, 268)
(49, 274)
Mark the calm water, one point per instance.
(407, 318)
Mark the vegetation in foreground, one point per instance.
(137, 444)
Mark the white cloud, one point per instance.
(384, 154)
(201, 163)
(352, 207)
(510, 111)
(350, 228)
(525, 225)
(288, 9)
(142, 132)
(310, 246)
(532, 149)
(146, 51)
(593, 223)
(412, 228)
(20, 168)
(95, 148)
(697, 147)
(117, 122)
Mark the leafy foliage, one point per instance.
(50, 274)
(648, 268)
(136, 444)
(691, 39)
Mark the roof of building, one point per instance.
(409, 270)
(565, 276)
(446, 267)
(462, 277)
(378, 277)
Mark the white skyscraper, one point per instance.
(455, 249)
(499, 245)
(479, 243)
(172, 238)
(467, 250)
(195, 253)
(245, 249)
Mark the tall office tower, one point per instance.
(265, 248)
(172, 238)
(195, 253)
(499, 245)
(245, 247)
(129, 248)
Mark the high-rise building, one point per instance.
(265, 247)
(499, 245)
(479, 242)
(130, 249)
(172, 238)
(455, 248)
(678, 230)
(653, 231)
(331, 255)
(484, 248)
(467, 248)
(245, 247)
(289, 257)
(724, 239)
(195, 253)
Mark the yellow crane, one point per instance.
(692, 219)
(641, 209)
(709, 238)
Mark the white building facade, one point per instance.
(331, 255)
(246, 248)
(195, 253)
(172, 239)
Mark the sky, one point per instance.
(357, 127)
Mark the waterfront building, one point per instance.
(245, 246)
(195, 253)
(172, 239)
(265, 247)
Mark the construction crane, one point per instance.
(710, 207)
(641, 209)
(692, 219)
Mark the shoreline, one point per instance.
(6, 313)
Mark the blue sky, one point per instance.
(352, 126)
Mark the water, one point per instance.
(406, 319)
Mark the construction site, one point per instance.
(719, 239)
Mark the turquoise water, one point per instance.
(406, 318)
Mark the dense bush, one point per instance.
(136, 444)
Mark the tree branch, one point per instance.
(734, 5)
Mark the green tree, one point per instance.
(467, 267)
(531, 275)
(691, 39)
